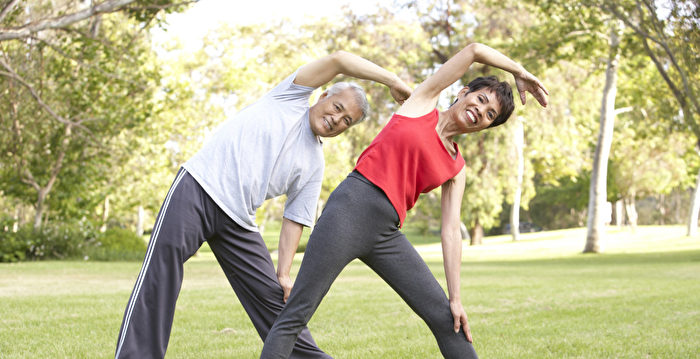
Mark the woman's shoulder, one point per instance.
(418, 114)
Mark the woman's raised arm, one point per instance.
(425, 96)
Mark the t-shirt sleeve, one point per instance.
(301, 204)
(289, 92)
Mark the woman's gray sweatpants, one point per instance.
(360, 222)
(187, 218)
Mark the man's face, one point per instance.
(333, 114)
(475, 111)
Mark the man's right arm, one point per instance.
(323, 70)
(287, 247)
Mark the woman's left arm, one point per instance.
(452, 192)
(425, 97)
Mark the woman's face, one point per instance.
(475, 111)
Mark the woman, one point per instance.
(413, 154)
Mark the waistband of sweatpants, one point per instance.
(359, 176)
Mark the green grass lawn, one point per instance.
(536, 298)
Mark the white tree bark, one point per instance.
(7, 8)
(694, 210)
(631, 210)
(139, 221)
(105, 214)
(619, 213)
(15, 225)
(519, 143)
(598, 190)
(62, 21)
(463, 231)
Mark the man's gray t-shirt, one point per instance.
(265, 150)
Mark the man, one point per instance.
(268, 149)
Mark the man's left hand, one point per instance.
(400, 91)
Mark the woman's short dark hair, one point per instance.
(504, 94)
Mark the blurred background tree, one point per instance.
(97, 118)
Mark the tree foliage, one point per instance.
(89, 110)
(73, 78)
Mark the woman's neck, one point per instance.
(446, 130)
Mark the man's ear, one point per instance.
(320, 98)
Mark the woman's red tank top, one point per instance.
(408, 158)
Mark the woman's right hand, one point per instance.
(527, 82)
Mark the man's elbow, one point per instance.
(475, 50)
(338, 59)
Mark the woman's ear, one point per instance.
(463, 92)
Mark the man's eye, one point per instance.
(337, 108)
(347, 121)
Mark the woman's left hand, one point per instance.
(460, 319)
(527, 82)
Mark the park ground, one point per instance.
(536, 298)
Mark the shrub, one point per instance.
(52, 241)
(116, 244)
(65, 240)
(12, 248)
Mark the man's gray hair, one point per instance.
(359, 92)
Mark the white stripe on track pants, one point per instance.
(187, 218)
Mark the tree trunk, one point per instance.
(631, 210)
(63, 21)
(619, 213)
(105, 214)
(598, 189)
(139, 221)
(39, 207)
(694, 210)
(42, 192)
(15, 225)
(463, 231)
(519, 142)
(477, 235)
(677, 205)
